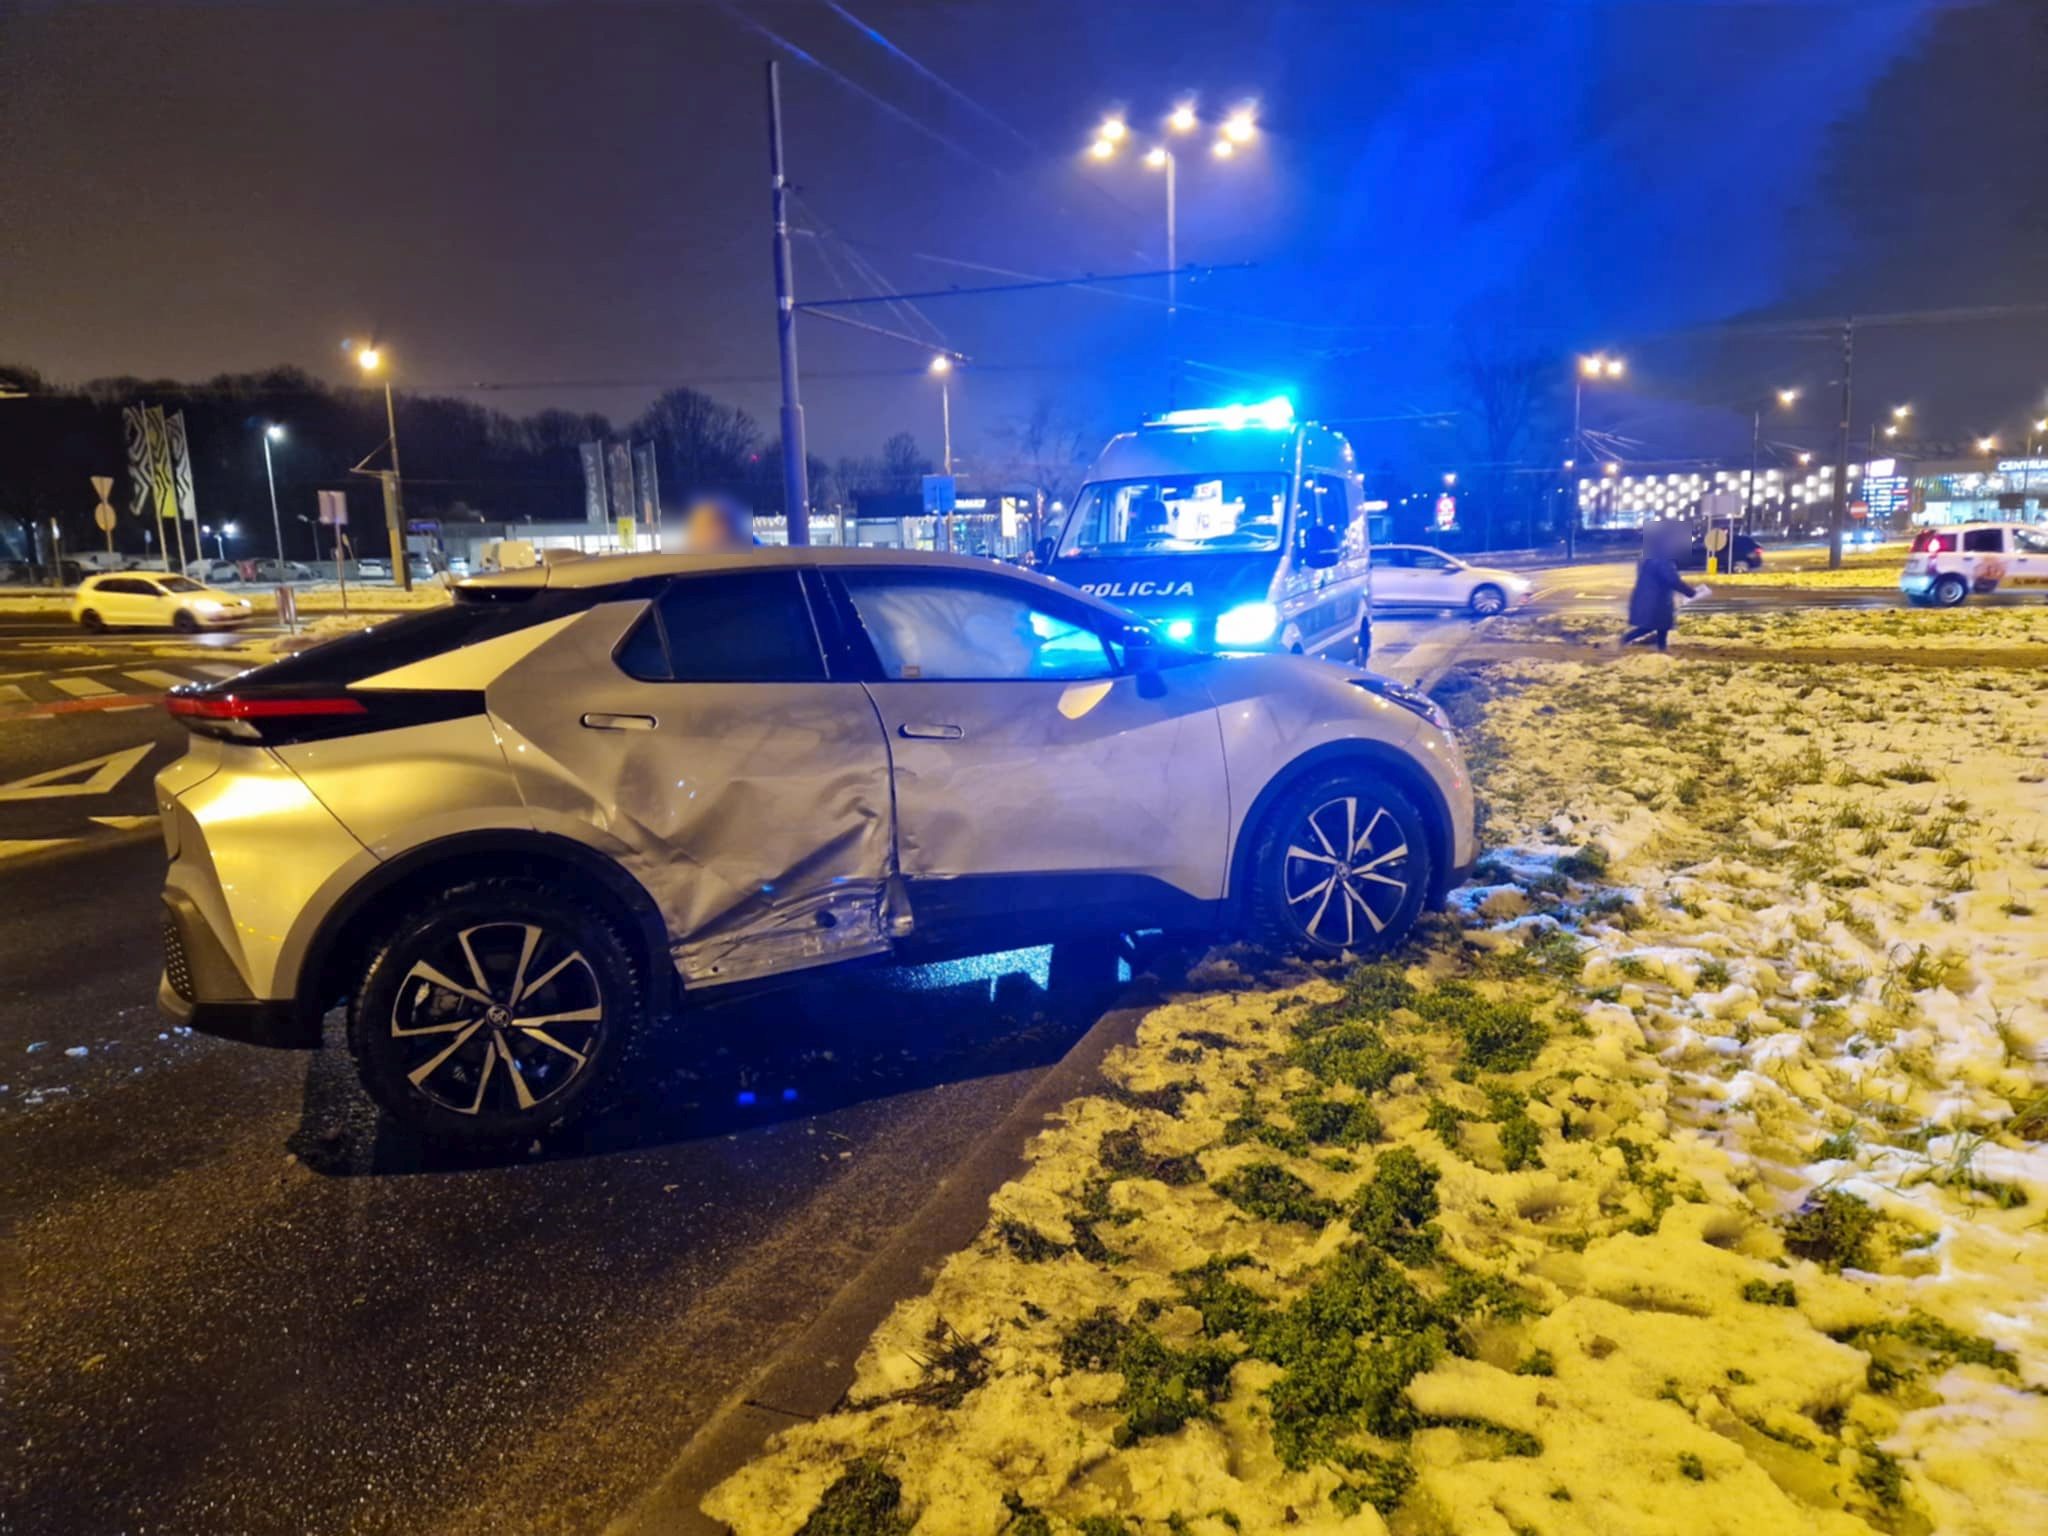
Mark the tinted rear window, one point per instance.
(401, 641)
(751, 627)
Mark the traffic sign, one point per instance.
(939, 493)
(1717, 537)
(103, 514)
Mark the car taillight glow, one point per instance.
(232, 706)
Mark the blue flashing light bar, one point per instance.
(1274, 415)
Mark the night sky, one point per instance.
(572, 199)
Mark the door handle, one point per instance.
(603, 722)
(924, 732)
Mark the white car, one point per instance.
(152, 600)
(1947, 564)
(1416, 576)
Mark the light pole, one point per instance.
(942, 370)
(1597, 365)
(1232, 133)
(274, 433)
(371, 360)
(2034, 442)
(1787, 398)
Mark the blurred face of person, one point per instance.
(714, 525)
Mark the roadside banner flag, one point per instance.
(135, 434)
(647, 483)
(162, 486)
(593, 483)
(619, 480)
(181, 466)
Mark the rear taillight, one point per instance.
(281, 718)
(1930, 544)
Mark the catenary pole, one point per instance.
(796, 491)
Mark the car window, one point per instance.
(1394, 558)
(178, 584)
(118, 585)
(960, 628)
(1324, 504)
(1983, 541)
(1429, 560)
(2030, 542)
(746, 627)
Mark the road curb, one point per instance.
(809, 1376)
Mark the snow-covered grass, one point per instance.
(2021, 627)
(1688, 1177)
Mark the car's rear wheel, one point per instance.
(183, 621)
(1950, 590)
(1341, 865)
(1487, 600)
(498, 1012)
(92, 621)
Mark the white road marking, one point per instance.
(80, 687)
(11, 847)
(149, 677)
(12, 693)
(101, 775)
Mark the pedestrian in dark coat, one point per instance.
(1653, 605)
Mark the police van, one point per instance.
(1233, 527)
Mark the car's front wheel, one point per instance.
(497, 1012)
(1487, 600)
(1341, 865)
(183, 621)
(1950, 590)
(92, 621)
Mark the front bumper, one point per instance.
(201, 989)
(1916, 583)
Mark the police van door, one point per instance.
(1326, 606)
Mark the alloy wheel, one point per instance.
(1345, 871)
(1487, 601)
(498, 1017)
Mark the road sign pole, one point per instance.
(796, 490)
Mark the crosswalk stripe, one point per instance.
(149, 677)
(217, 669)
(12, 693)
(80, 687)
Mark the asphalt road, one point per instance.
(240, 1303)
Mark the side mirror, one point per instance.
(1041, 553)
(1320, 547)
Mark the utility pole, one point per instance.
(796, 490)
(1839, 505)
(1172, 285)
(1571, 459)
(1756, 438)
(271, 433)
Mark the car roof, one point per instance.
(599, 571)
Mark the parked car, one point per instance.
(1946, 565)
(529, 824)
(1747, 553)
(1417, 576)
(152, 600)
(373, 569)
(214, 572)
(274, 570)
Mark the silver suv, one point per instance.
(510, 833)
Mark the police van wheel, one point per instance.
(1950, 590)
(1365, 642)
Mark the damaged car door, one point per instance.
(1049, 779)
(700, 740)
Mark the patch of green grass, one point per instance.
(1833, 1229)
(1770, 1293)
(1448, 1123)
(1357, 1054)
(1691, 1466)
(1335, 1122)
(1024, 1520)
(1840, 1144)
(1271, 1193)
(1227, 1304)
(1498, 1035)
(1911, 771)
(1381, 1481)
(1537, 1363)
(1878, 1474)
(1589, 861)
(1123, 1155)
(1714, 975)
(865, 1501)
(1395, 1210)
(1026, 1242)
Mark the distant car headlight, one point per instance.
(1412, 699)
(1248, 624)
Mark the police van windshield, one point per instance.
(1177, 515)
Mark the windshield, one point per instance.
(1180, 514)
(178, 584)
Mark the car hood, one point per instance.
(1166, 584)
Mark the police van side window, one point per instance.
(1325, 503)
(751, 627)
(1983, 541)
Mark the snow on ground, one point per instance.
(1688, 1177)
(1902, 628)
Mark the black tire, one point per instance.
(183, 622)
(92, 621)
(589, 987)
(1364, 654)
(1389, 846)
(1487, 600)
(1949, 590)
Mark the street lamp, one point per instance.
(1787, 398)
(941, 368)
(371, 360)
(1987, 445)
(274, 434)
(1595, 365)
(2034, 442)
(1238, 128)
